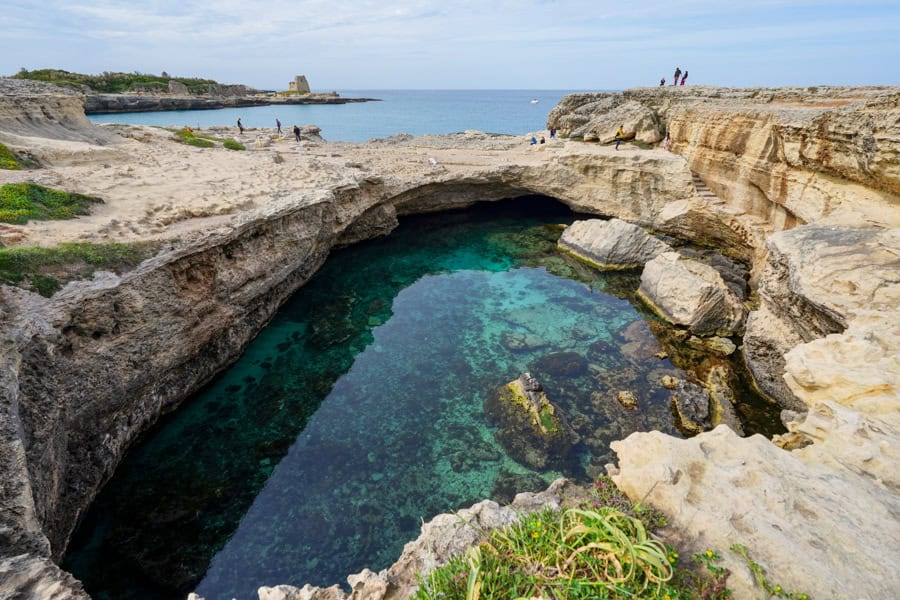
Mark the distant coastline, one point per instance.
(128, 103)
(143, 92)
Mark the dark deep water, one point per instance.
(358, 411)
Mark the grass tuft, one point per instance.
(186, 136)
(576, 554)
(8, 160)
(233, 145)
(20, 202)
(45, 270)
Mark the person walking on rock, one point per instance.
(240, 127)
(684, 77)
(620, 135)
(677, 75)
(296, 133)
(278, 125)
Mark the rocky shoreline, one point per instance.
(126, 103)
(804, 185)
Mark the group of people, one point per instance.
(296, 129)
(678, 74)
(534, 141)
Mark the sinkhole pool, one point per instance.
(358, 412)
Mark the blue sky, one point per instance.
(433, 44)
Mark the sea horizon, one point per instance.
(397, 111)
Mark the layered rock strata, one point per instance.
(88, 370)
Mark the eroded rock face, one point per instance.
(612, 244)
(36, 109)
(686, 292)
(828, 297)
(801, 514)
(779, 155)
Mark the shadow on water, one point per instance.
(358, 411)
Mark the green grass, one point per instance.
(188, 137)
(20, 202)
(233, 145)
(111, 83)
(603, 550)
(575, 554)
(45, 270)
(8, 160)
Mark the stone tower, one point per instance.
(299, 84)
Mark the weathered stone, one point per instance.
(719, 345)
(669, 382)
(690, 294)
(819, 281)
(719, 383)
(612, 244)
(796, 512)
(691, 404)
(627, 398)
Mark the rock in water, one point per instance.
(688, 293)
(612, 244)
(533, 430)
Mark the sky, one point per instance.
(462, 44)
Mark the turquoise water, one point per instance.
(415, 112)
(357, 412)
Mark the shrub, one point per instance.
(233, 145)
(8, 159)
(20, 202)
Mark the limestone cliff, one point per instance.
(781, 155)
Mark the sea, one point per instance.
(415, 112)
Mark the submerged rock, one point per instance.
(691, 294)
(561, 364)
(533, 431)
(612, 244)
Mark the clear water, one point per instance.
(416, 112)
(357, 412)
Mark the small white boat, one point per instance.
(535, 101)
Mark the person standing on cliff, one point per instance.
(684, 77)
(278, 125)
(677, 75)
(296, 133)
(240, 127)
(662, 82)
(620, 135)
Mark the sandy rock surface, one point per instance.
(612, 244)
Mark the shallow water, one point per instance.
(357, 412)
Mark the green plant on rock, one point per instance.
(575, 554)
(8, 160)
(45, 270)
(233, 145)
(759, 574)
(20, 202)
